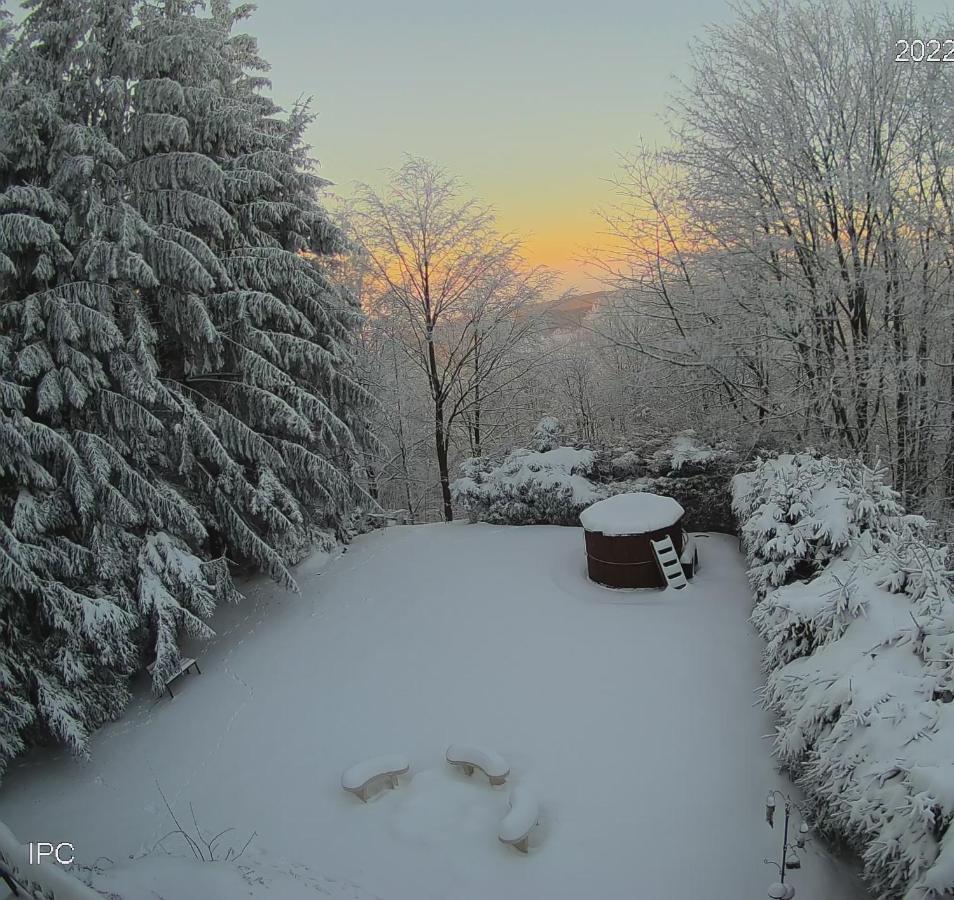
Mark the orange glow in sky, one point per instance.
(528, 102)
(564, 253)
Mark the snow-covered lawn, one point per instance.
(630, 716)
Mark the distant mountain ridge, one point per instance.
(569, 311)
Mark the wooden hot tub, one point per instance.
(618, 531)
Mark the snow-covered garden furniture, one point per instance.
(515, 827)
(380, 772)
(491, 763)
(620, 532)
(689, 558)
(185, 664)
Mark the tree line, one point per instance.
(786, 259)
(779, 271)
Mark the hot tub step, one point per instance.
(669, 563)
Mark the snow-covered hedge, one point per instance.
(856, 605)
(529, 487)
(550, 484)
(683, 466)
(706, 498)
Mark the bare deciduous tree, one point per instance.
(460, 296)
(793, 246)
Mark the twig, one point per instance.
(198, 830)
(212, 842)
(249, 841)
(195, 848)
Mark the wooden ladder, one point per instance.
(669, 563)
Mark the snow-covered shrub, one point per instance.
(547, 435)
(798, 512)
(857, 608)
(625, 464)
(706, 498)
(528, 487)
(551, 485)
(683, 466)
(686, 454)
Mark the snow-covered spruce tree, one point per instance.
(547, 435)
(254, 336)
(171, 364)
(154, 556)
(64, 633)
(82, 506)
(290, 252)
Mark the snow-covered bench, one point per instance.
(382, 771)
(492, 764)
(185, 664)
(515, 827)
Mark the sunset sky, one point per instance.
(528, 101)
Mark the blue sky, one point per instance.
(529, 103)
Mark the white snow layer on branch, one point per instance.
(41, 877)
(529, 486)
(857, 608)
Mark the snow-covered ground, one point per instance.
(629, 714)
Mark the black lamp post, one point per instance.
(779, 890)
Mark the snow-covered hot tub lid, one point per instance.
(634, 513)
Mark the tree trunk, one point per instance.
(477, 448)
(440, 443)
(440, 430)
(401, 439)
(949, 458)
(478, 451)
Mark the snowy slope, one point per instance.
(630, 716)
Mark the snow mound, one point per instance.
(440, 811)
(634, 513)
